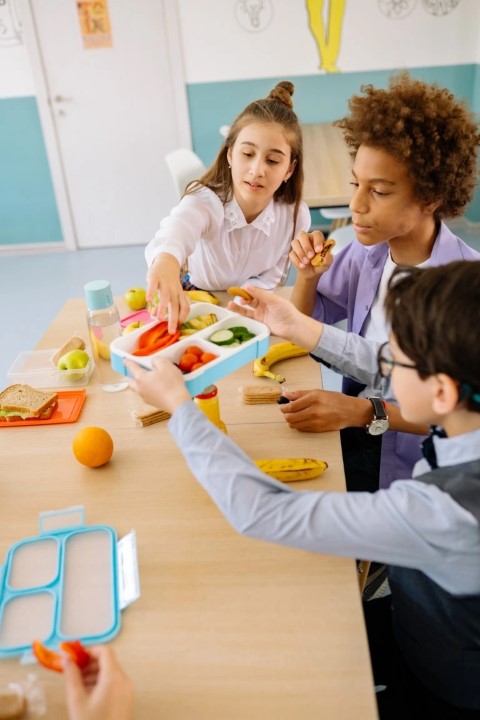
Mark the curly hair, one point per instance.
(427, 129)
(277, 107)
(433, 315)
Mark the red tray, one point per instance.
(69, 405)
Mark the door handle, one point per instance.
(61, 99)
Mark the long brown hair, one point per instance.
(277, 107)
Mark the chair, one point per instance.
(184, 166)
(343, 236)
(339, 215)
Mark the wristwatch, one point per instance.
(379, 423)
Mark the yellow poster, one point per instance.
(94, 23)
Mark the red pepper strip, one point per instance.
(76, 652)
(173, 339)
(54, 660)
(150, 337)
(48, 658)
(162, 343)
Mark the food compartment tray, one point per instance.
(228, 358)
(60, 586)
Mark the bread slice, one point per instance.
(260, 394)
(20, 402)
(12, 702)
(73, 343)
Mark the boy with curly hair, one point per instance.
(415, 158)
(427, 528)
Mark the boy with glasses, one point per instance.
(427, 529)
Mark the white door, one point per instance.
(109, 116)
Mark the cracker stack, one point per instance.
(149, 418)
(260, 394)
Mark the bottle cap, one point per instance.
(98, 294)
(209, 392)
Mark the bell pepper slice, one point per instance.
(152, 336)
(165, 341)
(76, 652)
(48, 658)
(54, 660)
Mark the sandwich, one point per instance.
(23, 402)
(73, 343)
(12, 702)
(320, 257)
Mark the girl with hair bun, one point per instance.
(235, 224)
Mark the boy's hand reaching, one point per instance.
(281, 316)
(163, 387)
(303, 250)
(101, 691)
(163, 279)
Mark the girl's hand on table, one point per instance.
(101, 691)
(325, 410)
(303, 250)
(163, 279)
(163, 387)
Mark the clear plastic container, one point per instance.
(104, 326)
(35, 368)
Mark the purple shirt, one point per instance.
(346, 292)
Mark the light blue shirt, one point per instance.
(347, 291)
(412, 524)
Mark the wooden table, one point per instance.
(226, 627)
(327, 166)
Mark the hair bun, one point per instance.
(282, 92)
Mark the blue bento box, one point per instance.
(69, 582)
(228, 358)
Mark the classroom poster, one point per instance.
(94, 24)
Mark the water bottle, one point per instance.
(103, 321)
(208, 403)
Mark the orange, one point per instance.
(92, 446)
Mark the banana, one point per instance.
(292, 469)
(281, 351)
(202, 296)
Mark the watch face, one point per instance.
(378, 427)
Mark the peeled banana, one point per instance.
(202, 296)
(198, 323)
(292, 469)
(281, 351)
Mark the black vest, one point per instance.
(439, 633)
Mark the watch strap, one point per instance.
(379, 409)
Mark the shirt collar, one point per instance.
(452, 451)
(443, 251)
(235, 219)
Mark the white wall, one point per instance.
(15, 74)
(217, 47)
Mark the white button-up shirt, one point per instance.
(221, 247)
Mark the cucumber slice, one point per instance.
(222, 337)
(242, 333)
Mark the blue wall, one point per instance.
(28, 209)
(317, 98)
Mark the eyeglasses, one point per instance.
(386, 363)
